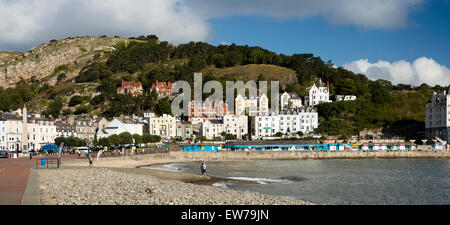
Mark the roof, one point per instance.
(96, 120)
(131, 83)
(185, 122)
(9, 116)
(167, 85)
(274, 143)
(43, 119)
(216, 121)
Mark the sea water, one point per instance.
(337, 182)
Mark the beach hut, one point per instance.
(365, 147)
(201, 148)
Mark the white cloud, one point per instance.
(422, 70)
(30, 22)
(34, 21)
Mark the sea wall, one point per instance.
(236, 156)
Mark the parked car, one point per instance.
(83, 149)
(4, 154)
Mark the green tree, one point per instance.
(5, 102)
(114, 140)
(126, 138)
(156, 139)
(61, 77)
(84, 109)
(55, 107)
(164, 107)
(137, 139)
(59, 140)
(346, 87)
(147, 138)
(202, 139)
(104, 142)
(75, 100)
(229, 137)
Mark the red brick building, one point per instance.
(164, 89)
(132, 88)
(199, 112)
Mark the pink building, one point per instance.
(199, 112)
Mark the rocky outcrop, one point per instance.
(40, 62)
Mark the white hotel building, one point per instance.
(267, 125)
(437, 118)
(24, 132)
(236, 125)
(287, 122)
(318, 95)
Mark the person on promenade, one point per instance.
(203, 168)
(90, 160)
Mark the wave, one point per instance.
(168, 167)
(262, 180)
(220, 184)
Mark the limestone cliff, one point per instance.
(45, 62)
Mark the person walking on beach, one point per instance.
(90, 160)
(203, 168)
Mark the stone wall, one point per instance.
(236, 156)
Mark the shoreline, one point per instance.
(178, 157)
(114, 171)
(159, 160)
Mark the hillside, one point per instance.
(253, 71)
(80, 76)
(45, 62)
(6, 56)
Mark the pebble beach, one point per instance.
(119, 181)
(102, 186)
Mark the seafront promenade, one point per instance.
(18, 185)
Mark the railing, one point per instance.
(126, 153)
(48, 163)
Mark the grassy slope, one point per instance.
(9, 55)
(251, 72)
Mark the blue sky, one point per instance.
(426, 34)
(405, 41)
